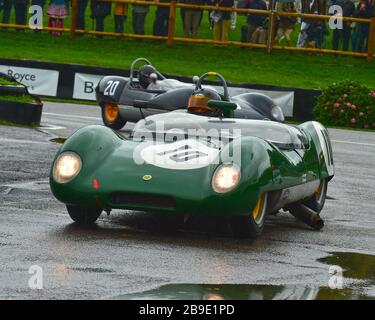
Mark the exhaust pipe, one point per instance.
(306, 215)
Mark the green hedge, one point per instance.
(346, 104)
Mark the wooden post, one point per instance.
(271, 27)
(172, 21)
(73, 21)
(371, 39)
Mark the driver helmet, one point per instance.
(198, 102)
(144, 75)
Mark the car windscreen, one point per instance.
(179, 124)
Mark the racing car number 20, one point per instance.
(111, 88)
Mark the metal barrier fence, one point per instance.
(171, 37)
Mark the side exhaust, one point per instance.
(306, 215)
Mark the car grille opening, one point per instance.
(142, 199)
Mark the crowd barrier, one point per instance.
(171, 38)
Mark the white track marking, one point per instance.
(50, 127)
(357, 143)
(70, 116)
(95, 118)
(23, 141)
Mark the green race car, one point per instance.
(191, 164)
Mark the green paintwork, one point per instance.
(225, 106)
(108, 158)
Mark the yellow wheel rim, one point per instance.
(259, 208)
(320, 188)
(111, 112)
(320, 191)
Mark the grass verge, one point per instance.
(13, 124)
(17, 98)
(234, 63)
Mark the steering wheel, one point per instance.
(145, 62)
(198, 85)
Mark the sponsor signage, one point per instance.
(84, 86)
(38, 81)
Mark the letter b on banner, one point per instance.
(89, 87)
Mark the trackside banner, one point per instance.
(38, 81)
(75, 81)
(84, 89)
(84, 86)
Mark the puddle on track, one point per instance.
(355, 266)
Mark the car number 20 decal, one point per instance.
(181, 155)
(111, 87)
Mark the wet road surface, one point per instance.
(134, 255)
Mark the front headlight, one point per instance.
(66, 167)
(226, 178)
(277, 113)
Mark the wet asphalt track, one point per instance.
(129, 252)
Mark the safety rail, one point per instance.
(171, 37)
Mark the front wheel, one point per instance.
(82, 215)
(111, 116)
(251, 226)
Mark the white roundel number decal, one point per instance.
(181, 155)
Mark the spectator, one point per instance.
(161, 20)
(312, 30)
(99, 11)
(20, 7)
(285, 23)
(254, 30)
(139, 17)
(210, 21)
(120, 15)
(81, 14)
(40, 3)
(192, 18)
(364, 10)
(221, 20)
(57, 11)
(343, 35)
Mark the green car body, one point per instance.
(111, 175)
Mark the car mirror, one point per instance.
(195, 79)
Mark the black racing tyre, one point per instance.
(251, 226)
(111, 116)
(316, 202)
(82, 215)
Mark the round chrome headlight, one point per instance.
(226, 178)
(277, 113)
(66, 167)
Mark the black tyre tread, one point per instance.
(83, 216)
(244, 227)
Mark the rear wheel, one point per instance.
(251, 226)
(111, 116)
(82, 215)
(316, 202)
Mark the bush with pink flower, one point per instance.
(346, 104)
